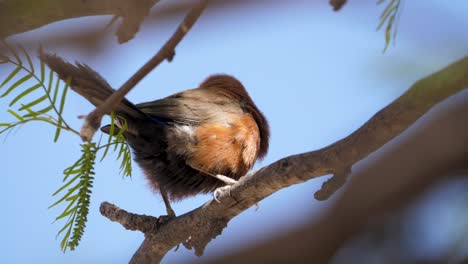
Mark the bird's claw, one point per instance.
(220, 191)
(170, 213)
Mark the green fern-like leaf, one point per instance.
(30, 96)
(4, 59)
(44, 101)
(24, 93)
(28, 58)
(13, 52)
(390, 17)
(126, 161)
(10, 76)
(16, 115)
(60, 109)
(111, 136)
(16, 84)
(42, 66)
(123, 150)
(78, 180)
(120, 146)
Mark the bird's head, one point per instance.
(233, 88)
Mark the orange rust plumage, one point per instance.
(180, 140)
(228, 150)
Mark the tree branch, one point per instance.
(129, 221)
(24, 15)
(19, 16)
(337, 4)
(206, 222)
(333, 184)
(93, 119)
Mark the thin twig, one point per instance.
(93, 120)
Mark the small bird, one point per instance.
(188, 143)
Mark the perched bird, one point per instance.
(184, 141)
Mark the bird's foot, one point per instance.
(225, 179)
(221, 190)
(163, 219)
(170, 213)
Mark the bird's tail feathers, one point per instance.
(89, 84)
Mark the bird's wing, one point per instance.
(191, 107)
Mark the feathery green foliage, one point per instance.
(36, 100)
(78, 181)
(390, 16)
(41, 96)
(120, 145)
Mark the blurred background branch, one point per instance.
(18, 16)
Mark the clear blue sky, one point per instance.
(317, 75)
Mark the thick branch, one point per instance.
(93, 119)
(19, 16)
(207, 221)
